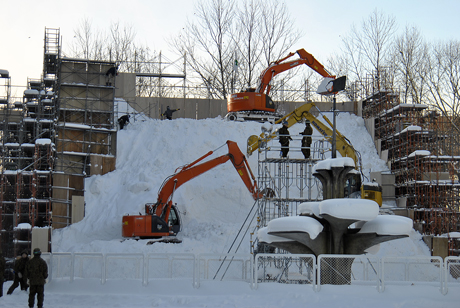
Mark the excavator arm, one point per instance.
(256, 104)
(343, 146)
(164, 202)
(161, 220)
(280, 66)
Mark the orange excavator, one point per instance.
(255, 104)
(161, 219)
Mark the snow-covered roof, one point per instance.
(263, 236)
(388, 225)
(309, 208)
(31, 92)
(412, 128)
(43, 141)
(349, 208)
(329, 163)
(452, 235)
(420, 153)
(23, 226)
(296, 223)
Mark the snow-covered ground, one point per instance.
(213, 207)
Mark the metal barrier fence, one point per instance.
(261, 268)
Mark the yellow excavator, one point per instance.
(343, 146)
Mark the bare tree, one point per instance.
(410, 60)
(247, 41)
(365, 49)
(208, 45)
(278, 32)
(444, 78)
(262, 33)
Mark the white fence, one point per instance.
(263, 268)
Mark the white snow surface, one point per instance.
(349, 208)
(213, 207)
(388, 225)
(327, 164)
(263, 236)
(311, 207)
(296, 223)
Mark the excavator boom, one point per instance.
(342, 144)
(156, 221)
(280, 66)
(256, 104)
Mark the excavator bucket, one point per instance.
(253, 144)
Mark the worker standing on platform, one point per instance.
(306, 140)
(110, 75)
(37, 272)
(284, 138)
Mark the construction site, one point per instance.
(61, 131)
(64, 130)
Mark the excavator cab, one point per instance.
(174, 219)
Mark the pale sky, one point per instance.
(23, 22)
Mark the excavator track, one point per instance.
(257, 116)
(166, 239)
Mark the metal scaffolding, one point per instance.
(423, 153)
(50, 141)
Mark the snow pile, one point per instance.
(213, 205)
(296, 224)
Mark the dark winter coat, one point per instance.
(20, 264)
(112, 72)
(284, 136)
(307, 132)
(168, 113)
(123, 120)
(2, 267)
(37, 271)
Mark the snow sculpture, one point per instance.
(335, 226)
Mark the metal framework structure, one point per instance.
(423, 154)
(51, 140)
(290, 180)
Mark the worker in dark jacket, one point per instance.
(2, 272)
(110, 75)
(284, 138)
(168, 113)
(19, 273)
(123, 120)
(37, 272)
(306, 140)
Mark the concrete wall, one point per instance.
(194, 108)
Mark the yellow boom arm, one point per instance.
(343, 146)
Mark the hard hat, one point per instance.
(307, 122)
(37, 251)
(285, 122)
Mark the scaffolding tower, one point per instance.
(422, 153)
(287, 182)
(61, 131)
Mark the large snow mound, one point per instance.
(213, 205)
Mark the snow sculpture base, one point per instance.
(334, 226)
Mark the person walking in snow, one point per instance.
(37, 272)
(19, 273)
(168, 113)
(2, 272)
(284, 138)
(306, 140)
